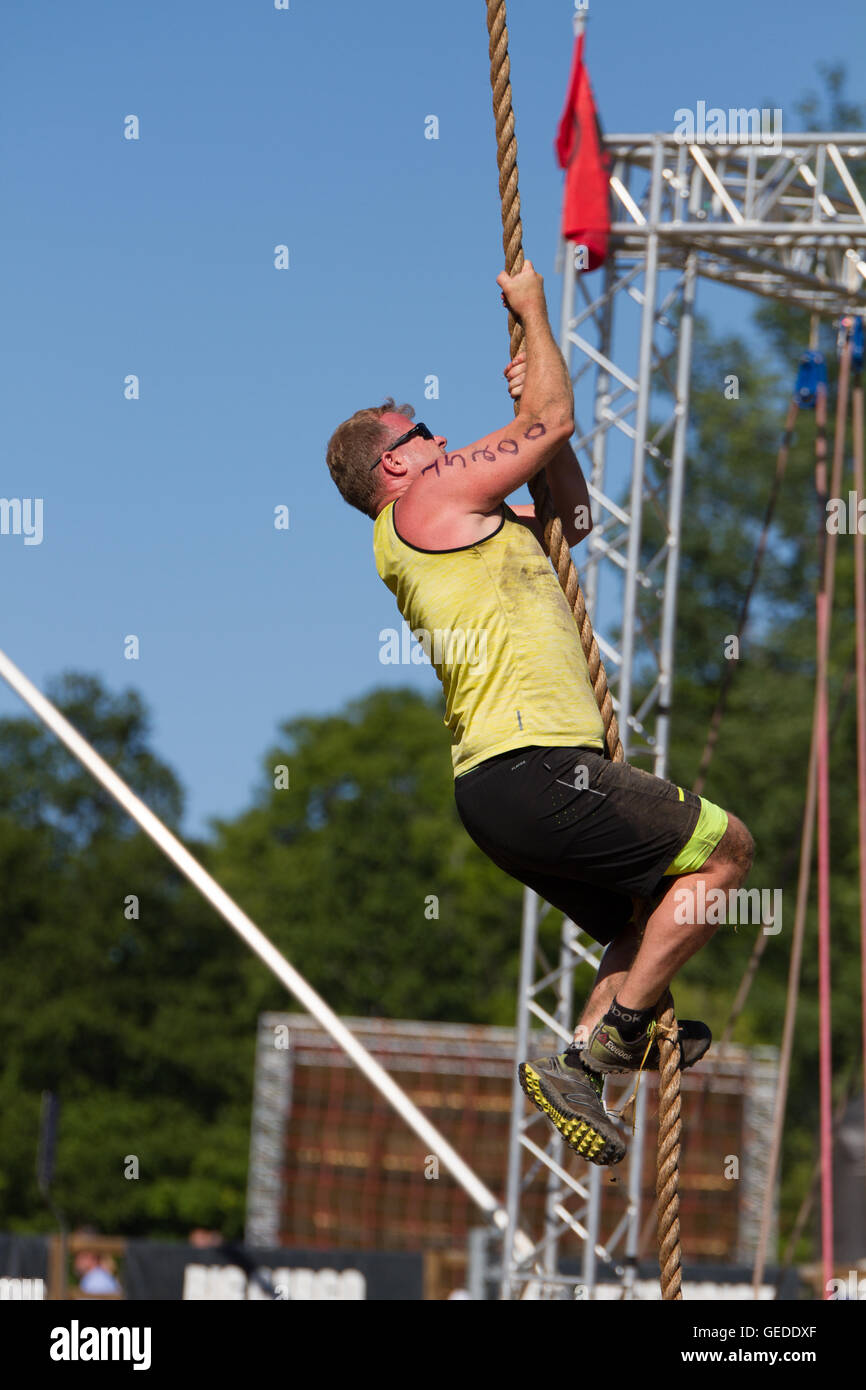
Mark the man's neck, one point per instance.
(390, 497)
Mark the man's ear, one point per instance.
(393, 465)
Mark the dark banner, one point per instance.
(233, 1272)
(23, 1267)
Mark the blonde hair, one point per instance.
(353, 449)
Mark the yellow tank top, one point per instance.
(496, 626)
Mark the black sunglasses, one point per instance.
(420, 430)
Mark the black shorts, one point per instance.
(583, 832)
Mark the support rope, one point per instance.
(826, 581)
(670, 1125)
(860, 664)
(762, 938)
(512, 243)
(724, 689)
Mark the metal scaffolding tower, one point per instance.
(727, 213)
(786, 221)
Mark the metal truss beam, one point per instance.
(787, 223)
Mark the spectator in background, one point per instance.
(203, 1239)
(94, 1274)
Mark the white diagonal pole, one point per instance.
(259, 943)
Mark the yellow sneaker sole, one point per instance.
(578, 1134)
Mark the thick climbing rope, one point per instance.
(670, 1125)
(668, 1152)
(512, 241)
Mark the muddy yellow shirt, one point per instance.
(498, 630)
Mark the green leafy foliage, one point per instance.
(360, 871)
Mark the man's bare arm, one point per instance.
(567, 483)
(570, 494)
(475, 480)
(547, 391)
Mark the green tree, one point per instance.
(361, 873)
(135, 1022)
(760, 766)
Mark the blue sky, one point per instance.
(155, 257)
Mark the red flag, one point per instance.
(586, 206)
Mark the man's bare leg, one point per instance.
(638, 972)
(616, 962)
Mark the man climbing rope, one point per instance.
(605, 842)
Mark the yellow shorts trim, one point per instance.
(711, 826)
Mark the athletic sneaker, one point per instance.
(570, 1097)
(607, 1051)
